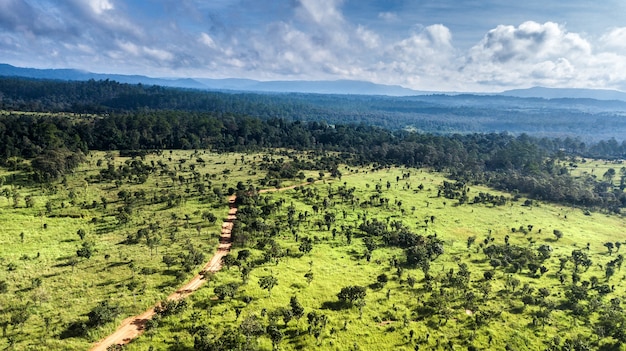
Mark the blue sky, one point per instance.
(433, 45)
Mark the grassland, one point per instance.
(482, 315)
(40, 237)
(55, 287)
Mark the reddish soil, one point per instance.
(134, 326)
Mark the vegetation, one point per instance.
(423, 285)
(590, 120)
(389, 239)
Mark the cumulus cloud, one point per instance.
(539, 54)
(313, 39)
(531, 40)
(615, 39)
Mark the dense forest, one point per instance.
(590, 120)
(55, 144)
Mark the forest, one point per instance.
(345, 235)
(586, 119)
(56, 144)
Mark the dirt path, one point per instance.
(134, 326)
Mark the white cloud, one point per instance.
(321, 11)
(427, 46)
(314, 40)
(157, 54)
(531, 54)
(100, 6)
(388, 16)
(369, 38)
(135, 50)
(207, 40)
(615, 39)
(529, 41)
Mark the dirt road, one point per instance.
(134, 326)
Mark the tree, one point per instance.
(609, 246)
(226, 290)
(612, 322)
(609, 175)
(369, 243)
(275, 335)
(470, 241)
(251, 327)
(86, 250)
(410, 280)
(229, 261)
(296, 308)
(268, 283)
(169, 260)
(30, 202)
(350, 294)
(81, 234)
(558, 234)
(382, 279)
(317, 323)
(103, 313)
(309, 277)
(243, 255)
(4, 286)
(306, 245)
(19, 316)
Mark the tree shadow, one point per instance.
(335, 305)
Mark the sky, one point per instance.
(429, 45)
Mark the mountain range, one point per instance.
(350, 87)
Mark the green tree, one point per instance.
(86, 250)
(309, 277)
(609, 246)
(229, 261)
(275, 335)
(558, 234)
(296, 308)
(306, 245)
(4, 286)
(268, 283)
(226, 290)
(352, 293)
(251, 328)
(103, 313)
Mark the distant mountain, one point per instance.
(563, 93)
(73, 74)
(348, 87)
(318, 87)
(305, 86)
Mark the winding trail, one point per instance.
(133, 326)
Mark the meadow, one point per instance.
(124, 215)
(127, 230)
(465, 302)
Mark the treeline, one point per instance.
(588, 119)
(524, 164)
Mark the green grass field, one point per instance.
(393, 311)
(40, 240)
(49, 287)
